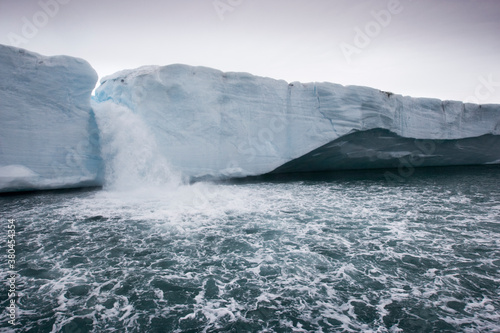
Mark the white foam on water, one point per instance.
(140, 184)
(314, 252)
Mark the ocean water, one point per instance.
(329, 252)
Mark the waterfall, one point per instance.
(130, 153)
(140, 181)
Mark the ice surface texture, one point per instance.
(48, 134)
(213, 124)
(205, 123)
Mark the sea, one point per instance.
(343, 251)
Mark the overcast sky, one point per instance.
(448, 49)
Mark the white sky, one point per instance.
(448, 49)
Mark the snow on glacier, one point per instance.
(209, 123)
(48, 134)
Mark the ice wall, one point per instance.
(162, 124)
(215, 124)
(48, 134)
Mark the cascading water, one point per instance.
(130, 152)
(140, 180)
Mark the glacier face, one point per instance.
(208, 123)
(48, 133)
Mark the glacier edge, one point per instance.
(186, 122)
(48, 135)
(210, 123)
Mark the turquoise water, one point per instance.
(337, 252)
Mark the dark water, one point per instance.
(341, 252)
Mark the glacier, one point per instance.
(212, 124)
(171, 124)
(48, 134)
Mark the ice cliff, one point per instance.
(48, 134)
(152, 123)
(207, 123)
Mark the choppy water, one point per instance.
(301, 254)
